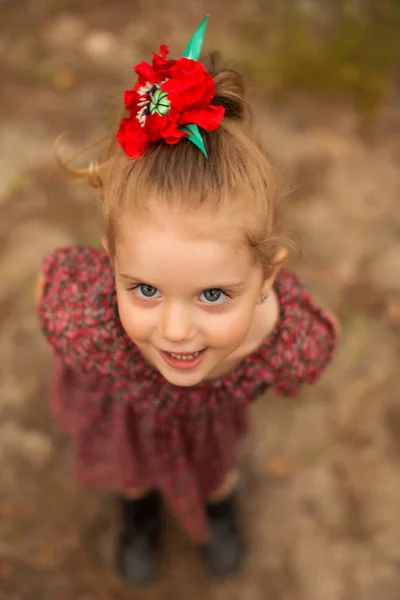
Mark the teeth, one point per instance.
(184, 356)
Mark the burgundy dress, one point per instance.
(130, 427)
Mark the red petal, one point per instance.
(161, 65)
(172, 134)
(185, 93)
(146, 71)
(186, 65)
(135, 148)
(164, 51)
(154, 125)
(207, 117)
(163, 127)
(132, 138)
(131, 99)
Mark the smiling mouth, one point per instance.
(184, 360)
(185, 356)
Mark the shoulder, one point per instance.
(77, 306)
(304, 339)
(75, 264)
(74, 278)
(299, 312)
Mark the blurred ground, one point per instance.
(321, 484)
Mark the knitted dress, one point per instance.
(133, 429)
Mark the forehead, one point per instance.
(168, 247)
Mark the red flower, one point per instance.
(169, 94)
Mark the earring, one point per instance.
(264, 297)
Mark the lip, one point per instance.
(180, 364)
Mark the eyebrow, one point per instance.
(210, 287)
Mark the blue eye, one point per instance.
(213, 296)
(146, 292)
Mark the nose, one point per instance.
(176, 323)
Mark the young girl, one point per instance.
(163, 338)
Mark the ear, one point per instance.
(277, 263)
(104, 244)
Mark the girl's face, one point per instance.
(186, 297)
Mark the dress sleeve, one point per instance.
(75, 307)
(309, 348)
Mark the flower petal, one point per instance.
(132, 138)
(131, 98)
(208, 117)
(146, 73)
(185, 92)
(164, 51)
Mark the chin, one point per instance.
(183, 379)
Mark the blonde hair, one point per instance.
(237, 169)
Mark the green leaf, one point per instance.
(193, 48)
(194, 136)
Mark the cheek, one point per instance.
(137, 323)
(230, 329)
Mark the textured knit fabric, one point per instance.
(133, 429)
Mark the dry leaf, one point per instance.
(393, 311)
(279, 468)
(6, 569)
(64, 79)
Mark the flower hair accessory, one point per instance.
(170, 101)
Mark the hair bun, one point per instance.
(229, 88)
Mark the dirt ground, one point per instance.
(321, 473)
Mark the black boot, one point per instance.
(137, 546)
(224, 553)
